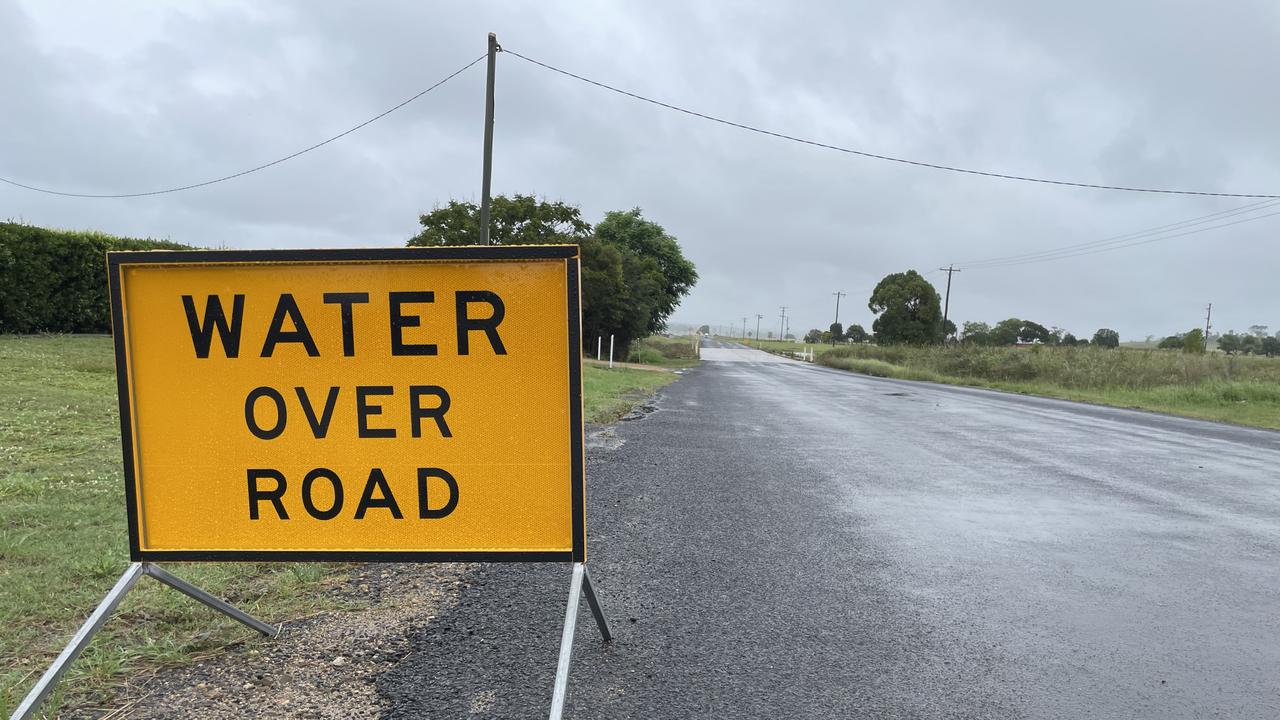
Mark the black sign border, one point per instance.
(569, 253)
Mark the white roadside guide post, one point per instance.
(599, 343)
(610, 352)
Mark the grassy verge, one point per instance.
(1243, 390)
(63, 539)
(610, 394)
(789, 346)
(62, 535)
(673, 352)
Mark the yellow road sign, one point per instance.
(408, 404)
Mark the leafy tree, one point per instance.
(604, 290)
(813, 336)
(633, 273)
(948, 330)
(1069, 340)
(856, 334)
(909, 310)
(516, 220)
(1006, 332)
(645, 238)
(837, 333)
(1107, 338)
(1173, 342)
(1193, 341)
(1259, 331)
(976, 333)
(1271, 346)
(704, 330)
(1250, 345)
(1034, 332)
(1229, 342)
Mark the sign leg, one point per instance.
(566, 643)
(590, 591)
(581, 582)
(218, 604)
(78, 643)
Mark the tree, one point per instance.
(1107, 338)
(1173, 342)
(1271, 346)
(704, 330)
(604, 291)
(1229, 342)
(633, 273)
(837, 333)
(813, 336)
(976, 333)
(856, 334)
(948, 330)
(1034, 332)
(1193, 341)
(1006, 332)
(516, 220)
(1250, 345)
(909, 310)
(647, 239)
(1259, 331)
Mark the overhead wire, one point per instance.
(254, 169)
(1094, 251)
(876, 156)
(1123, 240)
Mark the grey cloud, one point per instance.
(1136, 93)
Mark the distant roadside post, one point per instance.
(408, 405)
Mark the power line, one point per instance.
(1118, 247)
(264, 166)
(876, 156)
(1115, 239)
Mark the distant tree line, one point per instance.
(56, 280)
(1254, 342)
(633, 272)
(909, 312)
(1015, 331)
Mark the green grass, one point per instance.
(608, 394)
(673, 352)
(63, 541)
(786, 346)
(1213, 386)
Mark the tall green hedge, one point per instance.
(56, 280)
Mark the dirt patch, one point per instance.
(323, 666)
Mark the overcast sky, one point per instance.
(135, 96)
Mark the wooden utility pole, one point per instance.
(1207, 315)
(838, 295)
(946, 304)
(487, 175)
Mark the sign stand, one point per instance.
(580, 584)
(108, 605)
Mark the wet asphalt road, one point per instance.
(780, 540)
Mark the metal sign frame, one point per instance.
(117, 261)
